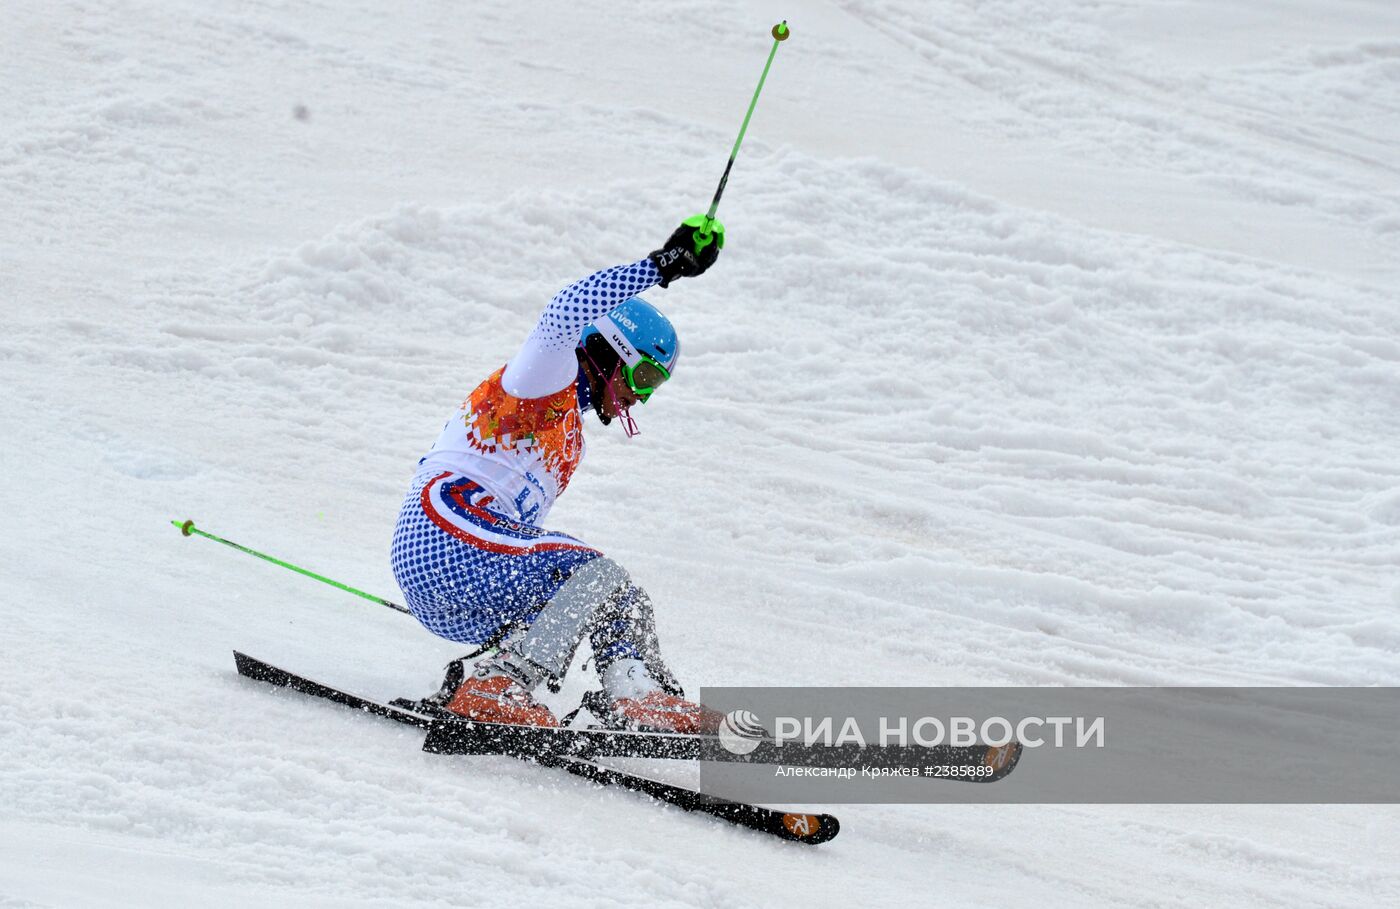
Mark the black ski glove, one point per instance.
(689, 250)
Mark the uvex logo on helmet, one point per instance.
(622, 346)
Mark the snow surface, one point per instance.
(1055, 343)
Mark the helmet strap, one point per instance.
(629, 425)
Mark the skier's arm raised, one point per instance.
(546, 362)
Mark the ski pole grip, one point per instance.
(707, 231)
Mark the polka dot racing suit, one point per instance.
(469, 550)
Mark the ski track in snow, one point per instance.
(1055, 344)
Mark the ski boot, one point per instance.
(497, 691)
(632, 699)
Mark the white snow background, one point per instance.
(1055, 343)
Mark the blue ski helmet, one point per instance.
(634, 328)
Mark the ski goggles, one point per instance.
(644, 376)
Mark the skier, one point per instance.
(469, 550)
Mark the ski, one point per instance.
(800, 827)
(256, 669)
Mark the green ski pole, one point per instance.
(188, 529)
(705, 236)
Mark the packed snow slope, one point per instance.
(1055, 343)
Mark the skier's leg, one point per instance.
(499, 687)
(625, 646)
(600, 601)
(468, 574)
(639, 690)
(568, 615)
(596, 595)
